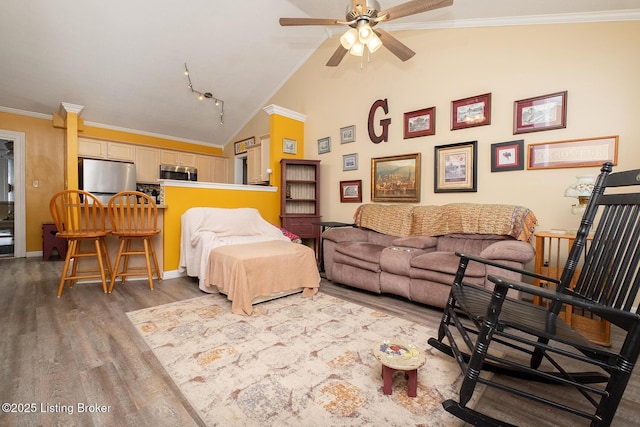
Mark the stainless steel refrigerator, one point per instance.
(104, 178)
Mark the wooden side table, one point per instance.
(552, 249)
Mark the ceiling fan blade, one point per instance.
(394, 45)
(287, 22)
(337, 56)
(411, 8)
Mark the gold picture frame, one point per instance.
(396, 178)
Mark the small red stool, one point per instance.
(50, 242)
(398, 356)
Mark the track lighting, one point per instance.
(203, 95)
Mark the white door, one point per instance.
(18, 190)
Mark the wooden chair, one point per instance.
(79, 216)
(134, 217)
(533, 342)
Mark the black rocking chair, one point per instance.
(487, 331)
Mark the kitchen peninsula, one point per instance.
(178, 196)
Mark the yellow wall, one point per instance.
(45, 163)
(179, 199)
(597, 63)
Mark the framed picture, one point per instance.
(351, 191)
(507, 156)
(396, 178)
(241, 146)
(420, 123)
(470, 112)
(289, 146)
(324, 145)
(350, 162)
(544, 112)
(347, 134)
(574, 153)
(455, 167)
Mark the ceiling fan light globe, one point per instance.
(365, 33)
(374, 43)
(357, 49)
(349, 38)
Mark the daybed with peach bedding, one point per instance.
(238, 253)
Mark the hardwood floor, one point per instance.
(80, 353)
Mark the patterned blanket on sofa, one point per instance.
(455, 218)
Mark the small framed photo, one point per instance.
(347, 134)
(455, 167)
(240, 147)
(420, 123)
(351, 191)
(470, 112)
(324, 145)
(507, 156)
(350, 162)
(396, 178)
(289, 146)
(544, 112)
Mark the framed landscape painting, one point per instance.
(396, 178)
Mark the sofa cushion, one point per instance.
(419, 242)
(359, 254)
(509, 250)
(443, 262)
(346, 234)
(396, 260)
(470, 244)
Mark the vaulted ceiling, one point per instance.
(124, 60)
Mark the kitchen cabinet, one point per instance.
(204, 164)
(258, 157)
(211, 168)
(178, 158)
(110, 150)
(220, 169)
(300, 198)
(147, 164)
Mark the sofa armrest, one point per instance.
(345, 234)
(509, 250)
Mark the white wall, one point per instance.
(597, 63)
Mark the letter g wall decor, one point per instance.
(384, 136)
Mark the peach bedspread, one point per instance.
(246, 271)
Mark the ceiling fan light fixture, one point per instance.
(374, 43)
(365, 33)
(349, 38)
(357, 49)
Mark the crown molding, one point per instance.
(26, 113)
(66, 107)
(560, 18)
(275, 109)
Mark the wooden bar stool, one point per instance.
(79, 216)
(134, 217)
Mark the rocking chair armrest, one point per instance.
(622, 318)
(507, 267)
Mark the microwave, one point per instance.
(181, 173)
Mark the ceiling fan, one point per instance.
(362, 16)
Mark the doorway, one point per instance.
(12, 194)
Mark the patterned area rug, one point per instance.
(294, 362)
